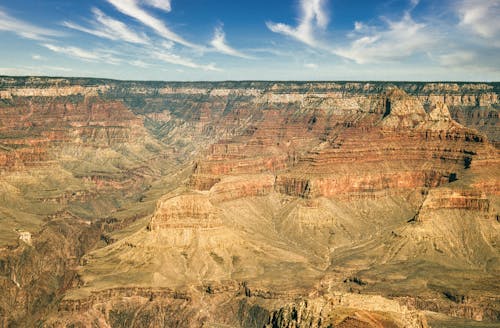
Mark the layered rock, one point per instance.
(339, 312)
(231, 188)
(30, 131)
(410, 149)
(442, 198)
(53, 92)
(402, 111)
(251, 203)
(193, 211)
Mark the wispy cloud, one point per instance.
(457, 58)
(313, 16)
(86, 55)
(182, 61)
(132, 8)
(24, 29)
(139, 63)
(273, 49)
(73, 52)
(220, 44)
(399, 39)
(480, 16)
(159, 4)
(54, 68)
(311, 65)
(414, 3)
(109, 28)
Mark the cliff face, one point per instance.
(247, 203)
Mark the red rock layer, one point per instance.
(29, 130)
(392, 145)
(460, 199)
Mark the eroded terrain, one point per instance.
(249, 204)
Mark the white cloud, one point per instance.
(73, 52)
(219, 43)
(313, 16)
(399, 40)
(358, 26)
(109, 28)
(93, 56)
(168, 45)
(159, 4)
(186, 62)
(36, 57)
(131, 8)
(457, 58)
(311, 66)
(139, 63)
(274, 50)
(480, 16)
(57, 68)
(24, 29)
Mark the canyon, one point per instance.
(249, 204)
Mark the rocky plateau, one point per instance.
(249, 204)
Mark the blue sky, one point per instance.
(252, 40)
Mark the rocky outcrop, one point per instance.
(345, 310)
(440, 113)
(35, 274)
(185, 211)
(443, 198)
(410, 149)
(402, 111)
(231, 188)
(478, 309)
(63, 91)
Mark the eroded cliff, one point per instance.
(248, 203)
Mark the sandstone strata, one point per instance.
(248, 204)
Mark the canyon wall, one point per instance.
(251, 204)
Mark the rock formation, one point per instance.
(248, 204)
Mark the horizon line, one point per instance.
(243, 80)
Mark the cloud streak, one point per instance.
(86, 55)
(313, 16)
(109, 28)
(400, 39)
(73, 52)
(220, 44)
(182, 61)
(159, 4)
(480, 16)
(132, 9)
(24, 29)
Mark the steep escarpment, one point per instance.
(404, 150)
(250, 204)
